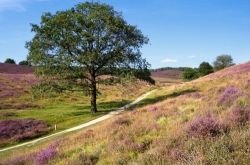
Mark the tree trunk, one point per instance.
(93, 95)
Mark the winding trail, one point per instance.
(90, 123)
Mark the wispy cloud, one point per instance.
(16, 5)
(169, 60)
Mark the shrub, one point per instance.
(229, 95)
(205, 68)
(240, 115)
(10, 61)
(190, 74)
(205, 126)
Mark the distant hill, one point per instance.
(15, 69)
(167, 74)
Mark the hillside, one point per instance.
(15, 81)
(167, 76)
(206, 121)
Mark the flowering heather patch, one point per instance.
(12, 85)
(15, 69)
(229, 95)
(240, 115)
(205, 126)
(22, 129)
(45, 155)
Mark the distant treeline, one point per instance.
(169, 68)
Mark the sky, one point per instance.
(181, 32)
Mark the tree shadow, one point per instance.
(103, 108)
(149, 101)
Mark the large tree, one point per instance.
(76, 46)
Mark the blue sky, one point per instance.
(181, 32)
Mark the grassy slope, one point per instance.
(156, 133)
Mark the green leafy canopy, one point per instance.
(90, 40)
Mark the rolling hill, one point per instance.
(206, 121)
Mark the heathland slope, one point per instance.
(27, 113)
(206, 121)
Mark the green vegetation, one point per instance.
(223, 61)
(10, 61)
(73, 48)
(205, 68)
(191, 74)
(24, 62)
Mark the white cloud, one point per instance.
(168, 60)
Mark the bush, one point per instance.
(190, 74)
(205, 126)
(24, 63)
(205, 68)
(9, 61)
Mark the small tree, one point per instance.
(223, 61)
(10, 61)
(205, 68)
(73, 48)
(24, 62)
(190, 74)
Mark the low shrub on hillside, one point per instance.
(46, 154)
(205, 126)
(239, 115)
(228, 95)
(22, 129)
